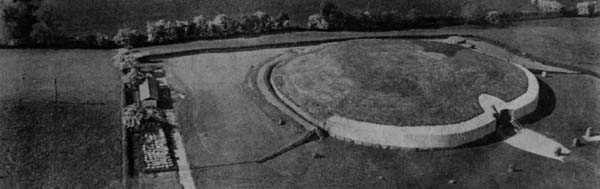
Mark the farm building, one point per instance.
(547, 5)
(587, 8)
(149, 92)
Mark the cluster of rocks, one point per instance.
(156, 152)
(457, 40)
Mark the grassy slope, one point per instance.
(64, 145)
(404, 88)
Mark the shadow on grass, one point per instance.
(545, 107)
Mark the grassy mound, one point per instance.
(396, 82)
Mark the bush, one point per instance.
(103, 40)
(99, 40)
(318, 22)
(334, 18)
(414, 16)
(200, 26)
(132, 79)
(132, 116)
(222, 25)
(495, 18)
(44, 35)
(282, 21)
(18, 19)
(127, 37)
(125, 61)
(178, 31)
(265, 22)
(156, 32)
(248, 24)
(472, 13)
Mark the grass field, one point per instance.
(396, 82)
(221, 126)
(59, 136)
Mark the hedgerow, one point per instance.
(22, 23)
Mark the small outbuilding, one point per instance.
(149, 92)
(587, 8)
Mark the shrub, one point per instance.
(44, 35)
(178, 30)
(222, 25)
(46, 32)
(472, 12)
(127, 37)
(125, 61)
(132, 116)
(362, 20)
(317, 21)
(248, 24)
(99, 40)
(18, 19)
(103, 40)
(282, 21)
(334, 18)
(200, 26)
(495, 18)
(392, 19)
(265, 22)
(132, 79)
(156, 32)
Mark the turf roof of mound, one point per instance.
(396, 82)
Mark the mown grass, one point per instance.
(390, 82)
(63, 135)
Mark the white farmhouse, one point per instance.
(548, 6)
(587, 8)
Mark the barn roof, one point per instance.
(149, 89)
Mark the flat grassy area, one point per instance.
(59, 136)
(220, 123)
(396, 82)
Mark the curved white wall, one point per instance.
(425, 136)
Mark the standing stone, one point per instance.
(281, 122)
(576, 142)
(588, 132)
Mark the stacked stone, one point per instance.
(156, 152)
